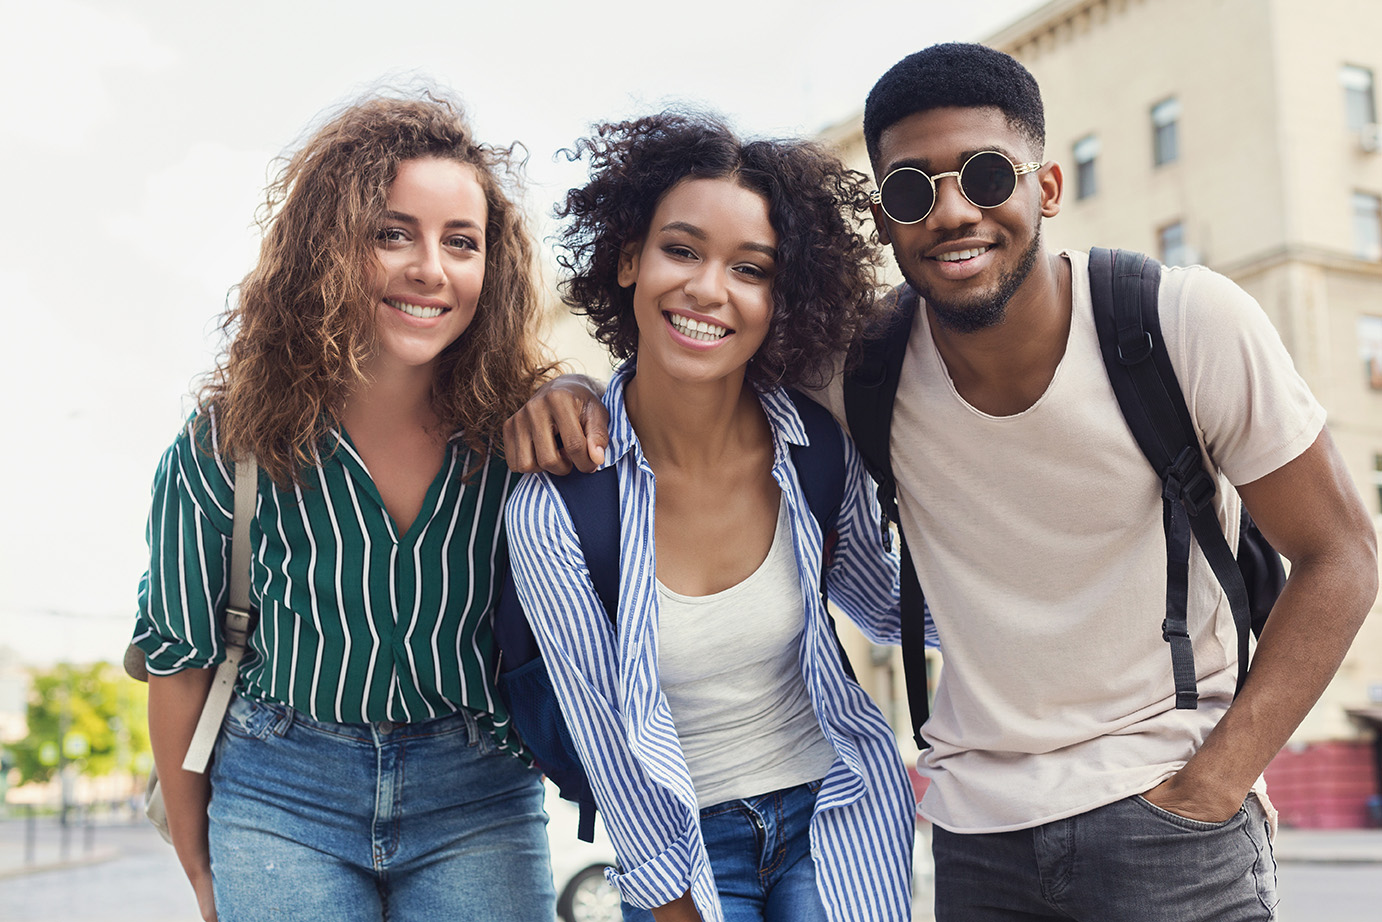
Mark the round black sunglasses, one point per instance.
(987, 179)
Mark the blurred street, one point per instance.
(118, 870)
(114, 870)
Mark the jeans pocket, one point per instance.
(255, 720)
(1185, 822)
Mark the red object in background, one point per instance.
(1315, 786)
(1323, 785)
(919, 784)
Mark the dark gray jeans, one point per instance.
(1128, 861)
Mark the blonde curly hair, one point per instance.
(303, 324)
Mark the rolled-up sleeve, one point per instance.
(188, 534)
(655, 834)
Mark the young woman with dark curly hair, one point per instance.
(365, 768)
(741, 771)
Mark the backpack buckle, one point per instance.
(238, 626)
(1137, 350)
(1187, 482)
(1167, 632)
(887, 511)
(1198, 493)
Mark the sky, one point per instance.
(135, 142)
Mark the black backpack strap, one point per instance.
(914, 672)
(820, 468)
(869, 392)
(820, 463)
(593, 503)
(1124, 287)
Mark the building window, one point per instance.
(1370, 349)
(1174, 250)
(1165, 143)
(1086, 153)
(1359, 106)
(1377, 478)
(1367, 226)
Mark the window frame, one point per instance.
(1369, 329)
(1360, 96)
(1366, 218)
(1176, 253)
(1377, 478)
(1085, 152)
(1165, 117)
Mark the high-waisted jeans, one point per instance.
(760, 852)
(326, 821)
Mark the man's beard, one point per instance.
(984, 312)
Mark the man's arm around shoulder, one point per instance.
(562, 425)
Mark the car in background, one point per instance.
(578, 868)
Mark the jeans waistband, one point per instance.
(281, 717)
(753, 803)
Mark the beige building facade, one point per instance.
(1240, 134)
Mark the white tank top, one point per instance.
(730, 666)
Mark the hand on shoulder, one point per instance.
(562, 425)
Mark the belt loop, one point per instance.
(285, 720)
(472, 727)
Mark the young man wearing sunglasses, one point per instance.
(1065, 782)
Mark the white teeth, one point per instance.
(415, 310)
(698, 329)
(961, 254)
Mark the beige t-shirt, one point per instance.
(1039, 544)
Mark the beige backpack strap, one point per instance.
(235, 628)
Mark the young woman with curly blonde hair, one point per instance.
(366, 767)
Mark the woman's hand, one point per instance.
(562, 425)
(175, 704)
(206, 899)
(681, 909)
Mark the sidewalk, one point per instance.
(42, 844)
(26, 849)
(1329, 846)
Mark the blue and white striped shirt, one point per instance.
(609, 690)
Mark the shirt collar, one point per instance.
(781, 412)
(622, 438)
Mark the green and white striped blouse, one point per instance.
(356, 622)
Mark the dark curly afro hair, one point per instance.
(955, 74)
(823, 290)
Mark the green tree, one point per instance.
(92, 717)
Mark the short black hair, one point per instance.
(823, 290)
(955, 74)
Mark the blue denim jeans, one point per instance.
(326, 821)
(1130, 860)
(760, 853)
